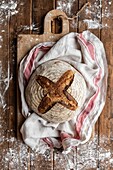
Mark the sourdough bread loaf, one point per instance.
(53, 70)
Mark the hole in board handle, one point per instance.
(56, 25)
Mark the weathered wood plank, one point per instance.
(40, 9)
(17, 24)
(105, 118)
(73, 11)
(41, 161)
(81, 25)
(110, 95)
(24, 25)
(64, 161)
(4, 85)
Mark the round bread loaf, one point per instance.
(52, 72)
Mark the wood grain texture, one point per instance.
(4, 92)
(105, 119)
(40, 9)
(17, 24)
(81, 25)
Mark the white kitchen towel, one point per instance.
(85, 52)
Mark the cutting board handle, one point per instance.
(51, 15)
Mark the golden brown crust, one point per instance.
(56, 92)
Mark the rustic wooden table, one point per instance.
(26, 16)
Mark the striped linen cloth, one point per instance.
(85, 52)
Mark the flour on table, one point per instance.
(4, 84)
(10, 6)
(66, 6)
(88, 155)
(92, 14)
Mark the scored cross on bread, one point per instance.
(56, 92)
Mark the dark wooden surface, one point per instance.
(95, 154)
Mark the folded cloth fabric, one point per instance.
(85, 52)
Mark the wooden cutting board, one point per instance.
(28, 41)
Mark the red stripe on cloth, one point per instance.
(49, 142)
(91, 102)
(29, 64)
(45, 47)
(65, 135)
(88, 45)
(31, 58)
(85, 113)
